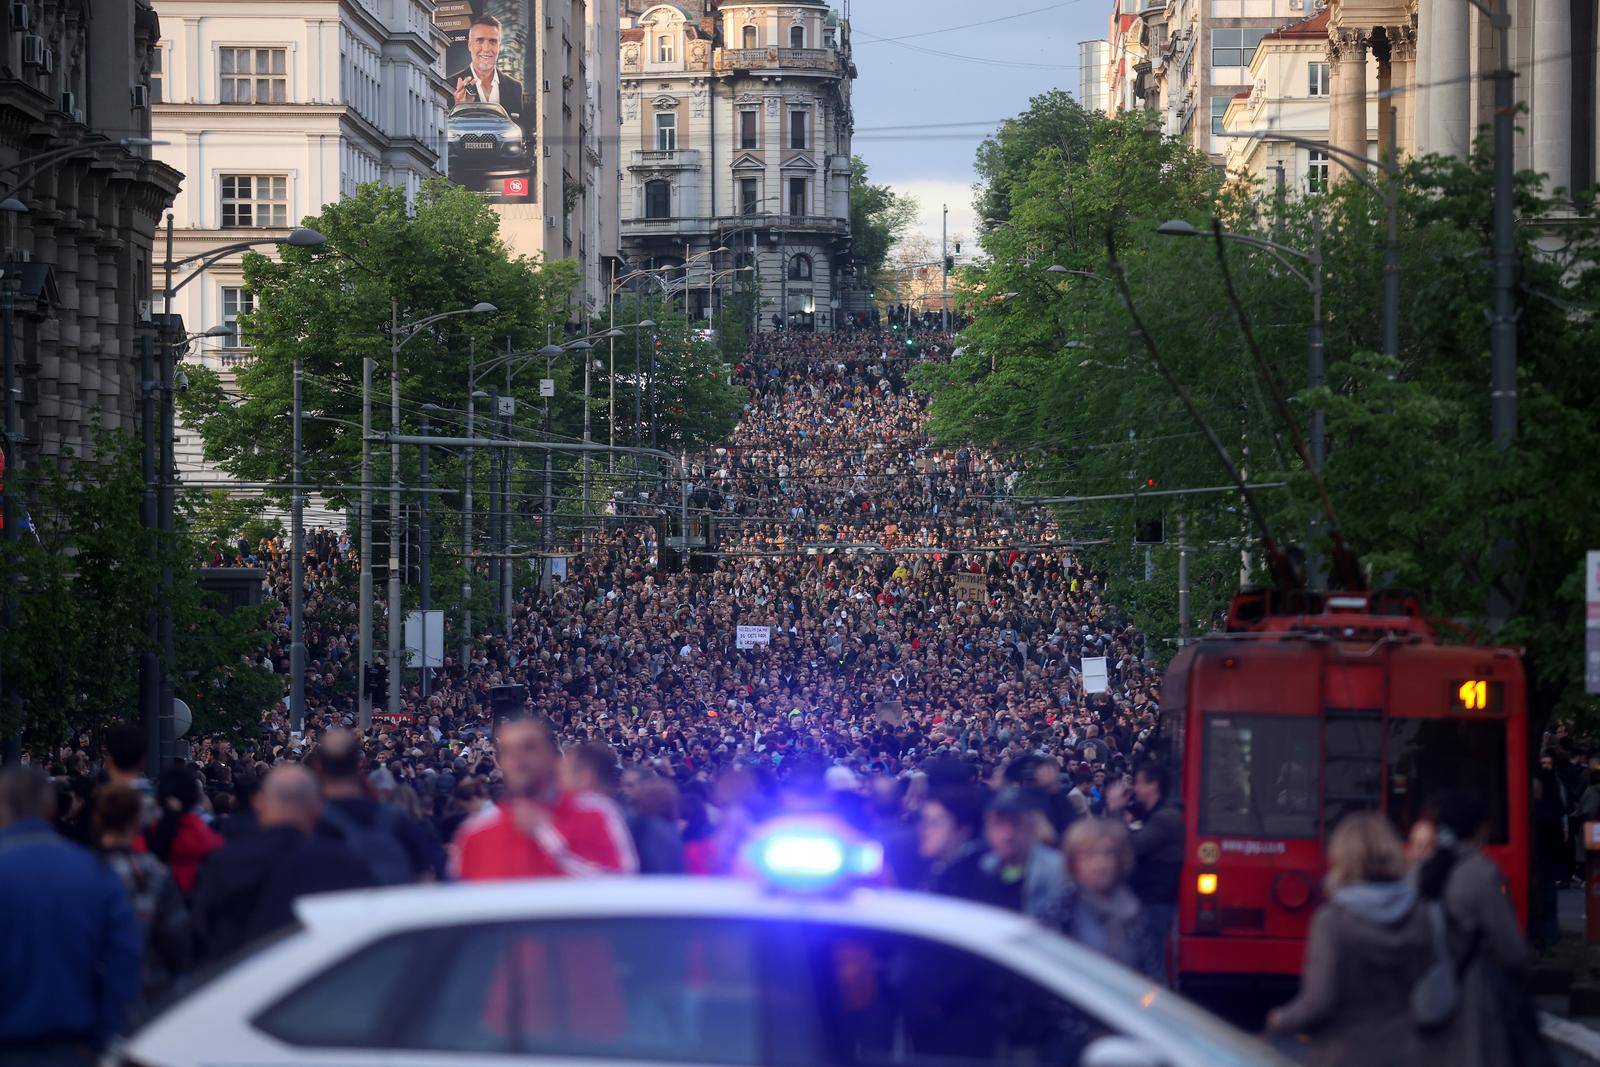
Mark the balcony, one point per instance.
(819, 59)
(824, 225)
(675, 159)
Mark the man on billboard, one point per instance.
(482, 80)
(490, 142)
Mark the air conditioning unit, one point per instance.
(79, 117)
(33, 50)
(141, 96)
(49, 62)
(21, 17)
(69, 102)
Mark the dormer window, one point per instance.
(664, 50)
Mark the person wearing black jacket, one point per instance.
(247, 889)
(1158, 836)
(950, 839)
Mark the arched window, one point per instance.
(800, 269)
(797, 36)
(658, 199)
(751, 37)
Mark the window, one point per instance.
(664, 49)
(658, 200)
(747, 129)
(1427, 756)
(1219, 108)
(797, 196)
(617, 989)
(1318, 79)
(1259, 777)
(236, 301)
(750, 37)
(800, 269)
(1352, 764)
(797, 36)
(1316, 171)
(667, 131)
(157, 74)
(254, 75)
(749, 196)
(890, 1000)
(798, 123)
(255, 200)
(1233, 48)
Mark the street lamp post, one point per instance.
(158, 718)
(1390, 166)
(399, 336)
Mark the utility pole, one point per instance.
(1391, 244)
(161, 759)
(149, 659)
(495, 459)
(364, 702)
(1185, 630)
(468, 564)
(395, 665)
(549, 478)
(297, 569)
(944, 267)
(425, 543)
(507, 514)
(8, 512)
(1503, 323)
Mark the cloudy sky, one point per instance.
(920, 115)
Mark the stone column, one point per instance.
(1550, 118)
(1403, 76)
(1421, 80)
(1347, 67)
(1450, 71)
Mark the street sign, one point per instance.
(753, 637)
(1094, 674)
(416, 631)
(547, 387)
(506, 407)
(1591, 644)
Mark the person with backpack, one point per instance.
(1369, 946)
(391, 843)
(1496, 1024)
(180, 838)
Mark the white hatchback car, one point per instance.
(652, 971)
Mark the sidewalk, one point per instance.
(1566, 987)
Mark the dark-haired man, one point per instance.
(539, 830)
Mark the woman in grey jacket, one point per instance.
(1368, 946)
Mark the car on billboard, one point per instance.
(487, 144)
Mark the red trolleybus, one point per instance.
(1309, 707)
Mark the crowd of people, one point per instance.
(917, 678)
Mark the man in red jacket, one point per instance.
(538, 830)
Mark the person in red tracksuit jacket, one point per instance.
(538, 830)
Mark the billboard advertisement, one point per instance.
(491, 69)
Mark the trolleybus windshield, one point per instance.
(1260, 776)
(1430, 756)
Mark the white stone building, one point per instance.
(736, 135)
(273, 109)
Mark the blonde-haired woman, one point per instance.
(1098, 910)
(1369, 944)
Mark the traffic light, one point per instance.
(377, 680)
(1149, 529)
(949, 263)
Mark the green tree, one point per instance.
(1054, 120)
(1050, 370)
(879, 217)
(88, 573)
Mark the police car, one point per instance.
(799, 967)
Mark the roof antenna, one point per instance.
(1279, 564)
(1346, 568)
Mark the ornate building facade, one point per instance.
(77, 260)
(736, 148)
